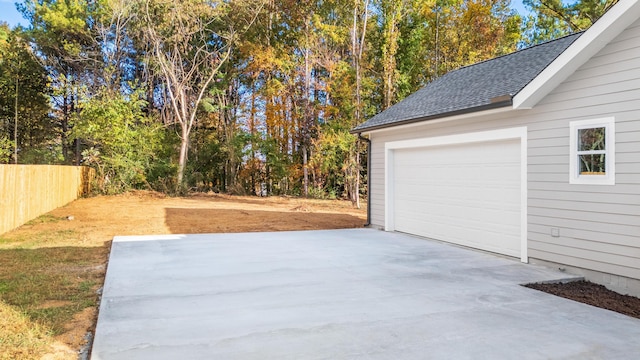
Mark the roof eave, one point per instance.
(451, 114)
(603, 31)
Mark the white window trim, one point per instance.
(610, 152)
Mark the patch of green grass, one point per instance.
(40, 238)
(51, 316)
(87, 285)
(67, 277)
(44, 219)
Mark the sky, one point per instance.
(517, 5)
(10, 15)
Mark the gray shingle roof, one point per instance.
(485, 85)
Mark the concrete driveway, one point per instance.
(339, 294)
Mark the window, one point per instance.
(592, 152)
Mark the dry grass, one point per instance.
(51, 285)
(45, 289)
(21, 338)
(24, 339)
(52, 266)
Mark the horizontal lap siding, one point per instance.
(599, 225)
(376, 185)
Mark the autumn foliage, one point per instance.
(242, 96)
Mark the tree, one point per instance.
(358, 37)
(392, 15)
(5, 149)
(24, 103)
(122, 140)
(64, 35)
(447, 34)
(552, 19)
(246, 93)
(188, 48)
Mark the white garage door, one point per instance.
(468, 194)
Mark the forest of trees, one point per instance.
(238, 96)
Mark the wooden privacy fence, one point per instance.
(28, 191)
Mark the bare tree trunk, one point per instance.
(76, 144)
(252, 130)
(436, 66)
(73, 109)
(392, 17)
(65, 127)
(306, 127)
(357, 47)
(184, 149)
(15, 125)
(305, 170)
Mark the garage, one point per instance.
(465, 190)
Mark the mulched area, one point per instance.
(593, 294)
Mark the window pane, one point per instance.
(592, 164)
(591, 139)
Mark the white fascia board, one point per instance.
(439, 120)
(464, 138)
(610, 25)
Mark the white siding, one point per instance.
(599, 225)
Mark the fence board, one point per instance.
(28, 191)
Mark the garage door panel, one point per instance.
(468, 194)
(480, 221)
(448, 155)
(468, 237)
(474, 210)
(488, 181)
(490, 177)
(474, 230)
(462, 196)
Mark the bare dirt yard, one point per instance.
(53, 267)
